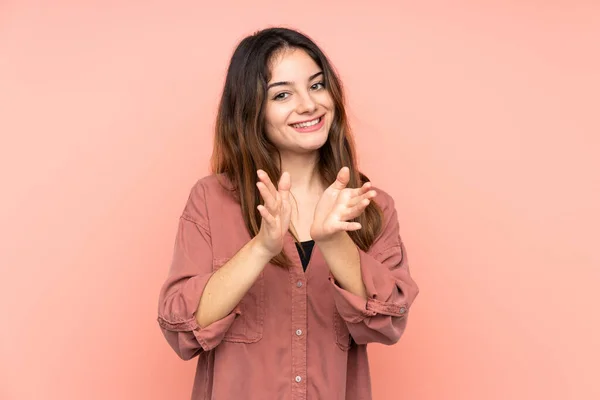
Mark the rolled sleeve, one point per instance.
(381, 317)
(177, 320)
(191, 268)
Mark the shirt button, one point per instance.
(298, 379)
(299, 284)
(299, 332)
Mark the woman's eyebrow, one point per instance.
(283, 83)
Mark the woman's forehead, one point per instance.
(291, 65)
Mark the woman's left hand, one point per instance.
(338, 205)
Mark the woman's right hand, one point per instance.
(276, 212)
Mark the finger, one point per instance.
(284, 186)
(266, 216)
(264, 178)
(286, 215)
(358, 199)
(270, 201)
(354, 212)
(361, 190)
(343, 177)
(348, 226)
(366, 186)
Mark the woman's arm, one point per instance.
(197, 304)
(380, 314)
(343, 259)
(228, 285)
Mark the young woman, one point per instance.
(285, 264)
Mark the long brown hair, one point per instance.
(241, 146)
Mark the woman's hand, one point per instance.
(276, 212)
(337, 206)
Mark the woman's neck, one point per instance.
(304, 173)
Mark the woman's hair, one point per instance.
(241, 145)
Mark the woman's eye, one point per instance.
(318, 86)
(281, 96)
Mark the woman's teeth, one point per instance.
(307, 124)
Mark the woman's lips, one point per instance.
(310, 128)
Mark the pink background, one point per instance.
(480, 118)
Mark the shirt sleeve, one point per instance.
(191, 268)
(390, 289)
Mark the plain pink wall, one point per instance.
(480, 118)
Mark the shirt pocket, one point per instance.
(342, 334)
(248, 325)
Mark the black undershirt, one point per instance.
(307, 247)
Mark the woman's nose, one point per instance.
(306, 104)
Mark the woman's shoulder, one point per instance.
(207, 191)
(383, 199)
(213, 184)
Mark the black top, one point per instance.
(307, 247)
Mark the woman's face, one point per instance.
(299, 108)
